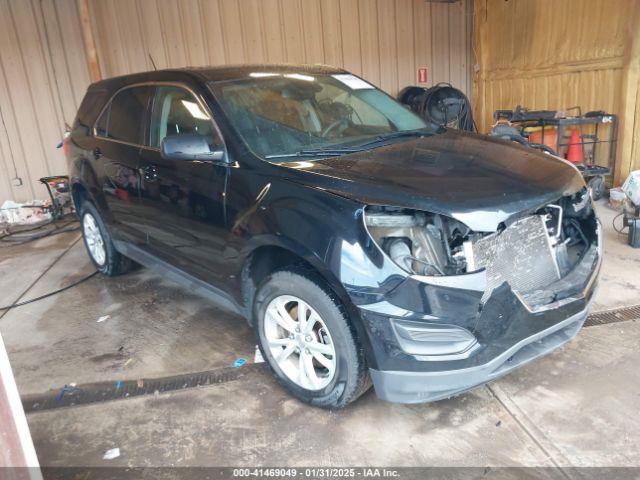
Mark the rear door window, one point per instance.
(123, 119)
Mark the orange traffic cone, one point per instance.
(574, 153)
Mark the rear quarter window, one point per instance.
(123, 118)
(90, 107)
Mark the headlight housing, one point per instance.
(420, 243)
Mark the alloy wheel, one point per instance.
(300, 342)
(93, 237)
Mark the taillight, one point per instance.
(66, 148)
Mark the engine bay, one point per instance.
(419, 242)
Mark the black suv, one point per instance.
(363, 244)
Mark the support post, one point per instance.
(89, 41)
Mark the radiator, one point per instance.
(521, 255)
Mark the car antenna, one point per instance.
(152, 62)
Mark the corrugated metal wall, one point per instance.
(382, 40)
(550, 54)
(43, 69)
(43, 76)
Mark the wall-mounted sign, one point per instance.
(422, 74)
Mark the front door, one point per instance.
(118, 137)
(183, 200)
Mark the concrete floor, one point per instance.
(576, 407)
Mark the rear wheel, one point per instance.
(306, 338)
(99, 244)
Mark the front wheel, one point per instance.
(306, 338)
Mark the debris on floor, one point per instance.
(28, 213)
(71, 389)
(617, 198)
(111, 454)
(239, 362)
(631, 187)
(258, 356)
(103, 318)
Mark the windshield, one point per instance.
(282, 117)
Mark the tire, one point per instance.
(95, 235)
(338, 378)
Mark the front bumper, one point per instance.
(416, 387)
(508, 330)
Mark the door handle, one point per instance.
(97, 153)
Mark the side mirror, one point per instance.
(188, 146)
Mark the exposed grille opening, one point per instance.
(531, 252)
(522, 255)
(539, 251)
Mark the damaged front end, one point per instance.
(532, 252)
(475, 305)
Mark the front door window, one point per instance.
(175, 112)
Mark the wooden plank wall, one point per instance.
(44, 73)
(550, 54)
(629, 145)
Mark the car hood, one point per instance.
(478, 180)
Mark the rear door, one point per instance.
(183, 200)
(118, 134)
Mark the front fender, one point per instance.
(326, 230)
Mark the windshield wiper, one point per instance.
(390, 136)
(335, 151)
(316, 152)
